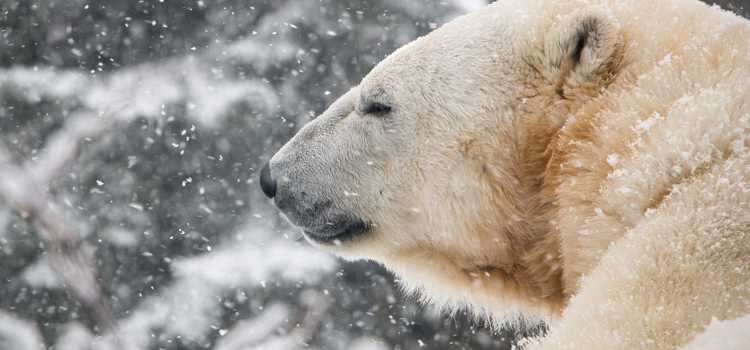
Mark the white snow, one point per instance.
(252, 331)
(367, 343)
(145, 90)
(74, 336)
(32, 84)
(41, 274)
(469, 5)
(121, 237)
(18, 334)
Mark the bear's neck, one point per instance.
(546, 113)
(541, 263)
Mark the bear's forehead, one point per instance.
(459, 50)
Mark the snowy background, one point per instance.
(131, 135)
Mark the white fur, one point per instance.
(584, 162)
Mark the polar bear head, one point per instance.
(433, 165)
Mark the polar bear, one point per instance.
(585, 162)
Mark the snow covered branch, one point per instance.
(256, 334)
(63, 147)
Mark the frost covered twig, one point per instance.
(316, 305)
(251, 332)
(24, 189)
(255, 334)
(64, 146)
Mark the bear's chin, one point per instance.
(337, 234)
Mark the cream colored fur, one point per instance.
(582, 161)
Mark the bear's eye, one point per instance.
(377, 108)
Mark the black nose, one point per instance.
(267, 183)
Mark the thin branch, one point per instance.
(23, 188)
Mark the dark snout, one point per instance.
(303, 197)
(267, 183)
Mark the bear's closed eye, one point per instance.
(377, 108)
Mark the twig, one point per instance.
(317, 305)
(23, 187)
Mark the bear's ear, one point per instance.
(580, 52)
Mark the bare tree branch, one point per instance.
(24, 189)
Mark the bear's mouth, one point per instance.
(337, 233)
